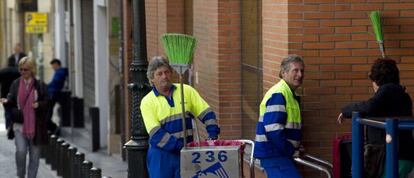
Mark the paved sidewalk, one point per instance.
(111, 166)
(7, 159)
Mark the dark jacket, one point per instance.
(13, 58)
(7, 76)
(390, 100)
(40, 112)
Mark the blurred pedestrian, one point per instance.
(17, 55)
(54, 88)
(7, 76)
(29, 99)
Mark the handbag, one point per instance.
(17, 115)
(341, 158)
(374, 160)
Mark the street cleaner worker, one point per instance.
(278, 131)
(162, 114)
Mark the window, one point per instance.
(252, 83)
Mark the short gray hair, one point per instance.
(156, 62)
(285, 65)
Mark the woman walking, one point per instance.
(29, 99)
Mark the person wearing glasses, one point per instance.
(29, 98)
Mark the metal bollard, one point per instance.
(49, 155)
(95, 173)
(55, 162)
(43, 149)
(79, 157)
(86, 166)
(62, 158)
(67, 172)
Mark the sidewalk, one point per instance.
(7, 152)
(111, 166)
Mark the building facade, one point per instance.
(84, 35)
(241, 45)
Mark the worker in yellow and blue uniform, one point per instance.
(278, 131)
(161, 110)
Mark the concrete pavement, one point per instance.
(7, 159)
(111, 166)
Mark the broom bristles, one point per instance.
(377, 25)
(179, 48)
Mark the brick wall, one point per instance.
(216, 26)
(151, 20)
(275, 39)
(217, 61)
(162, 16)
(335, 38)
(127, 23)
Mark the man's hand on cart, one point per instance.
(340, 118)
(299, 152)
(211, 140)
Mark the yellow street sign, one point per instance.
(36, 29)
(35, 22)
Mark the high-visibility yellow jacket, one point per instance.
(278, 131)
(163, 117)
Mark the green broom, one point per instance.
(180, 50)
(377, 27)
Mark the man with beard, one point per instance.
(161, 110)
(278, 131)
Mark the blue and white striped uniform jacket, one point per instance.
(278, 131)
(163, 117)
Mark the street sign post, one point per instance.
(35, 22)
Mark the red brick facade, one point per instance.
(217, 61)
(336, 40)
(127, 30)
(334, 37)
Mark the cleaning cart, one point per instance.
(216, 158)
(224, 159)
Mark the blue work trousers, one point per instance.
(163, 164)
(285, 170)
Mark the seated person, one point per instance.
(389, 100)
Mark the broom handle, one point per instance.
(183, 109)
(382, 49)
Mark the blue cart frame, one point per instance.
(391, 126)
